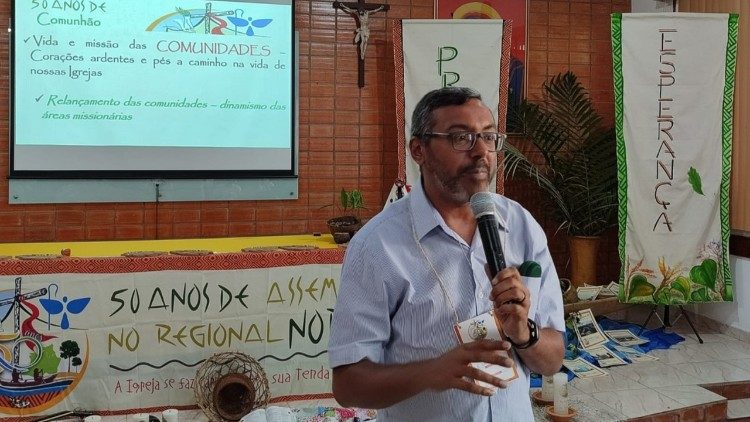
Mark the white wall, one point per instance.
(650, 6)
(735, 314)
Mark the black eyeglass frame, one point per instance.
(455, 137)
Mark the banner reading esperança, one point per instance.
(674, 85)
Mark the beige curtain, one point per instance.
(740, 194)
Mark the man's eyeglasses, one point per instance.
(465, 141)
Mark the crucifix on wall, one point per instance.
(361, 12)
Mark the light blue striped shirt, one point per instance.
(391, 309)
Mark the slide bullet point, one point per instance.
(39, 98)
(26, 40)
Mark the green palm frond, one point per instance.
(577, 165)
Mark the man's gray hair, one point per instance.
(421, 118)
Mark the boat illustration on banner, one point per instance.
(41, 361)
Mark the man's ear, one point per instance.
(416, 149)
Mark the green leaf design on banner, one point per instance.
(670, 297)
(682, 284)
(705, 273)
(695, 180)
(663, 297)
(728, 292)
(699, 295)
(47, 364)
(640, 287)
(677, 297)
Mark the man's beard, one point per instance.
(452, 186)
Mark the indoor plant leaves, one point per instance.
(572, 158)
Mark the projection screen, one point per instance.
(143, 88)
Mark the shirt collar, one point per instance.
(425, 217)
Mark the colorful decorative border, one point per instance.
(622, 168)
(221, 261)
(502, 105)
(398, 60)
(726, 147)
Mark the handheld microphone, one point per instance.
(484, 211)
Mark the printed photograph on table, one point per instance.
(513, 10)
(610, 289)
(583, 369)
(587, 330)
(634, 355)
(625, 337)
(605, 357)
(588, 292)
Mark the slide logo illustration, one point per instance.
(39, 369)
(209, 21)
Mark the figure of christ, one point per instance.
(362, 33)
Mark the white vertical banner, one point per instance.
(434, 53)
(674, 82)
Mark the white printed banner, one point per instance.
(674, 84)
(434, 53)
(122, 341)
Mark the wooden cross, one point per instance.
(16, 302)
(361, 11)
(210, 16)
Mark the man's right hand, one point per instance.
(453, 369)
(389, 384)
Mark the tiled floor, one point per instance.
(670, 384)
(673, 383)
(738, 408)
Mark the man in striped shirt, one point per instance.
(418, 267)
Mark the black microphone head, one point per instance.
(481, 204)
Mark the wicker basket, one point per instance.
(230, 385)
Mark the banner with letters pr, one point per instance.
(674, 85)
(434, 53)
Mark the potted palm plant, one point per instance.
(571, 158)
(343, 227)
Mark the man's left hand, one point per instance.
(512, 301)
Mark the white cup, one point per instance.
(169, 415)
(138, 417)
(548, 388)
(560, 381)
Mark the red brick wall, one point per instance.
(571, 35)
(347, 134)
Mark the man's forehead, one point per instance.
(473, 109)
(472, 104)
